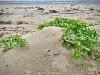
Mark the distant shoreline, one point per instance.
(47, 2)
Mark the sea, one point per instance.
(49, 1)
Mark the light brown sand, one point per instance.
(45, 55)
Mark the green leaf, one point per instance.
(12, 41)
(81, 62)
(77, 33)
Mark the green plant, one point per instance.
(79, 34)
(12, 41)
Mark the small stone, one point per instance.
(3, 61)
(1, 34)
(6, 22)
(98, 72)
(6, 66)
(56, 52)
(19, 22)
(44, 13)
(2, 10)
(48, 50)
(98, 10)
(1, 13)
(91, 9)
(38, 8)
(72, 4)
(53, 11)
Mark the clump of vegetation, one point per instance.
(12, 41)
(79, 34)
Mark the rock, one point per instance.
(98, 10)
(4, 28)
(53, 11)
(56, 52)
(6, 66)
(6, 22)
(48, 50)
(7, 8)
(75, 9)
(96, 15)
(21, 7)
(91, 9)
(2, 10)
(1, 13)
(19, 22)
(44, 13)
(72, 4)
(1, 34)
(68, 10)
(39, 8)
(8, 13)
(25, 7)
(32, 7)
(25, 22)
(90, 18)
(98, 72)
(82, 11)
(16, 8)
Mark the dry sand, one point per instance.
(45, 55)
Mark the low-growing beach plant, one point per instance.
(12, 41)
(79, 34)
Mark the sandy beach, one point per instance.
(45, 55)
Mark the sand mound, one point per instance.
(45, 56)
